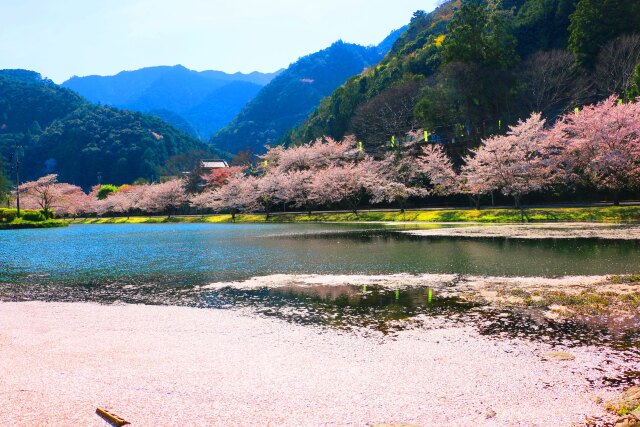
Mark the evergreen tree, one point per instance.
(482, 35)
(595, 22)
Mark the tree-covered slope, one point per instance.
(289, 98)
(58, 131)
(471, 67)
(410, 58)
(201, 98)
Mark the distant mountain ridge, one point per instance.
(297, 91)
(58, 131)
(199, 98)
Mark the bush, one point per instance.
(7, 215)
(33, 216)
(105, 190)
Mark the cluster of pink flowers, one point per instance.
(598, 146)
(49, 195)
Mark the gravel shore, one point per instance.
(166, 366)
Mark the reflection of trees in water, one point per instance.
(345, 306)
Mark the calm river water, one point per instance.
(188, 254)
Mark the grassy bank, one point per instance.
(29, 218)
(574, 214)
(20, 223)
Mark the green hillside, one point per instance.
(470, 68)
(290, 97)
(58, 131)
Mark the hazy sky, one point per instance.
(61, 38)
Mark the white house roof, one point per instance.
(213, 164)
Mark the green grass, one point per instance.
(628, 214)
(629, 278)
(20, 223)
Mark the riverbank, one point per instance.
(622, 214)
(607, 300)
(566, 230)
(18, 224)
(185, 366)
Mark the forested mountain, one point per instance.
(289, 98)
(58, 131)
(206, 100)
(470, 68)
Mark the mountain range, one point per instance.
(463, 72)
(470, 68)
(199, 102)
(291, 96)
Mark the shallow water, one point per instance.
(195, 254)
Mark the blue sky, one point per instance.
(81, 37)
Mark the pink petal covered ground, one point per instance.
(167, 366)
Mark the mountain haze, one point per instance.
(206, 100)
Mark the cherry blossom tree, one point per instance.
(41, 194)
(126, 200)
(319, 154)
(523, 161)
(237, 195)
(603, 145)
(167, 196)
(347, 183)
(70, 200)
(398, 177)
(438, 168)
(268, 190)
(297, 189)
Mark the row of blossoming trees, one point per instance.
(598, 146)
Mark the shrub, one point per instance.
(33, 216)
(105, 190)
(7, 215)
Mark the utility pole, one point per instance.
(17, 158)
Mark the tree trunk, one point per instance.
(616, 198)
(475, 201)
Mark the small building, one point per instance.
(209, 165)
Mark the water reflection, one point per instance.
(344, 307)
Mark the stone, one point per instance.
(630, 399)
(559, 355)
(627, 421)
